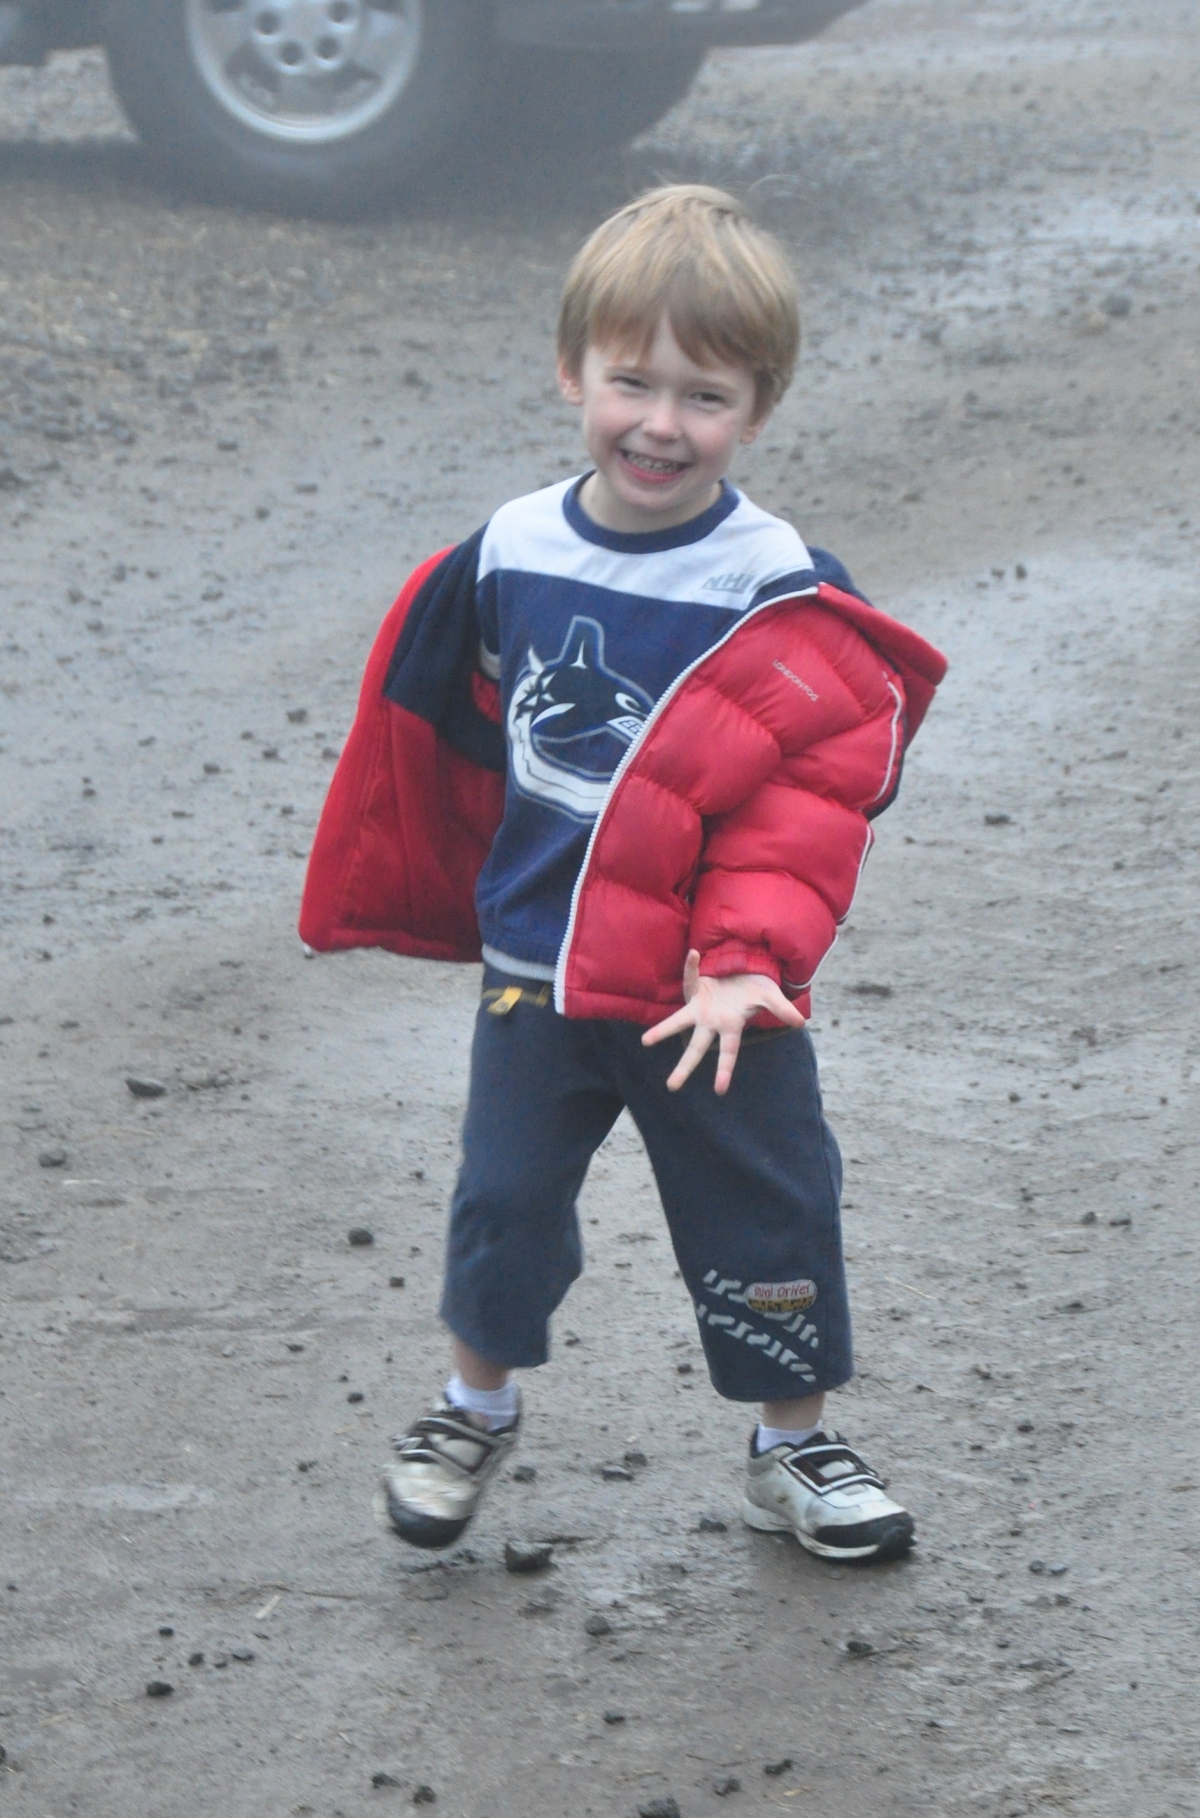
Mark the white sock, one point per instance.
(766, 1437)
(499, 1407)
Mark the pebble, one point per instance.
(636, 1460)
(660, 1808)
(145, 1088)
(196, 1659)
(424, 1795)
(597, 1625)
(612, 1473)
(683, 1369)
(52, 1158)
(728, 1783)
(158, 1688)
(527, 1556)
(166, 1629)
(356, 1395)
(359, 1237)
(243, 1654)
(712, 1524)
(524, 1474)
(395, 1281)
(859, 1646)
(384, 1779)
(611, 1717)
(776, 1768)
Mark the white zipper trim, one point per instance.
(897, 719)
(660, 707)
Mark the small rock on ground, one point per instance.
(158, 1688)
(384, 1779)
(52, 1158)
(660, 1808)
(597, 1625)
(142, 1087)
(360, 1237)
(527, 1556)
(726, 1783)
(778, 1767)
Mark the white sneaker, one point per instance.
(445, 1462)
(826, 1496)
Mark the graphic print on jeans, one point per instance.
(570, 722)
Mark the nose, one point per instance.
(662, 418)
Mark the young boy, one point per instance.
(627, 742)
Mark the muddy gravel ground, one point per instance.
(223, 440)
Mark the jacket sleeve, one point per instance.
(779, 870)
(437, 669)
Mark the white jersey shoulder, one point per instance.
(735, 564)
(530, 535)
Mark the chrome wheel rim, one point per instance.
(305, 71)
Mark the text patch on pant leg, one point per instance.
(781, 1296)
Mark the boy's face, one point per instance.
(660, 430)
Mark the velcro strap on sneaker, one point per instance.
(421, 1443)
(829, 1465)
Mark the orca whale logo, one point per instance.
(570, 721)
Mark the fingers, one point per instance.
(731, 1043)
(674, 1024)
(693, 1054)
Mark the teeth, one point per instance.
(654, 466)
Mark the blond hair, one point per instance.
(693, 255)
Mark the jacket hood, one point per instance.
(919, 664)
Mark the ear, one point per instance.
(753, 430)
(569, 384)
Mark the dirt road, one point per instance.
(223, 440)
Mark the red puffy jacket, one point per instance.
(737, 823)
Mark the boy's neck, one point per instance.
(609, 512)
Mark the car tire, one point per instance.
(323, 110)
(578, 103)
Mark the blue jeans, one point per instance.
(750, 1184)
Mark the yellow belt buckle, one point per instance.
(506, 1000)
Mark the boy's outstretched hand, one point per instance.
(719, 1007)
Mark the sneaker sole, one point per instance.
(418, 1530)
(896, 1536)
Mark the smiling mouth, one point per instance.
(652, 467)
